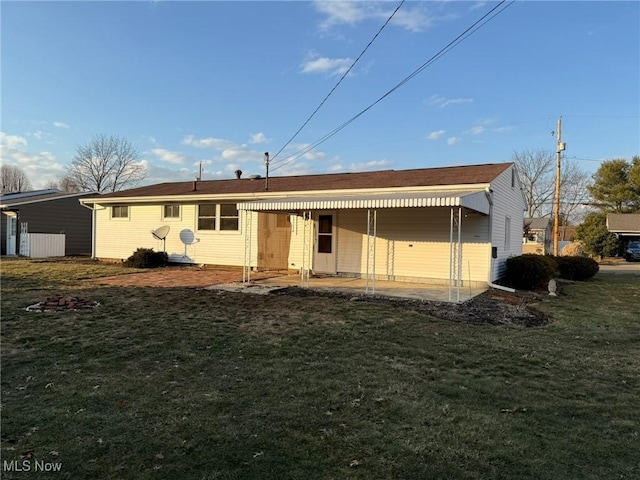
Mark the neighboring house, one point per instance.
(626, 226)
(537, 236)
(45, 212)
(431, 225)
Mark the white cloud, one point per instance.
(11, 141)
(436, 134)
(209, 142)
(330, 66)
(442, 102)
(453, 140)
(345, 12)
(485, 125)
(372, 165)
(60, 125)
(41, 168)
(258, 138)
(477, 5)
(410, 17)
(335, 168)
(168, 156)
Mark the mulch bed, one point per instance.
(493, 307)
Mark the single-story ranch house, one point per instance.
(440, 225)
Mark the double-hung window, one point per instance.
(228, 216)
(171, 211)
(120, 211)
(207, 216)
(218, 217)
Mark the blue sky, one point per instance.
(223, 82)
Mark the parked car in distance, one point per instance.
(632, 252)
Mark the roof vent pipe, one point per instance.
(238, 174)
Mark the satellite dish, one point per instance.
(161, 233)
(187, 237)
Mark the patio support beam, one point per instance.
(455, 252)
(307, 248)
(246, 264)
(372, 230)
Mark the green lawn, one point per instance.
(193, 384)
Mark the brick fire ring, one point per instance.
(59, 303)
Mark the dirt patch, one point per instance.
(493, 307)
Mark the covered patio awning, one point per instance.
(476, 200)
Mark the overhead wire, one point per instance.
(344, 75)
(477, 25)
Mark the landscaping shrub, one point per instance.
(146, 258)
(530, 271)
(576, 268)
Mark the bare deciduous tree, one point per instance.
(105, 164)
(536, 173)
(64, 184)
(574, 194)
(13, 179)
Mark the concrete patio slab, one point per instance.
(357, 286)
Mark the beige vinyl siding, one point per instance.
(117, 238)
(412, 244)
(297, 242)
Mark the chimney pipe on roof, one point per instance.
(238, 173)
(195, 186)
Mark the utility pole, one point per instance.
(266, 162)
(556, 209)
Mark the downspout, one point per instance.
(489, 194)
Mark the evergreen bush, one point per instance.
(146, 258)
(577, 268)
(530, 271)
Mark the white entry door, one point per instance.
(325, 250)
(12, 234)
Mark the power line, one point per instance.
(478, 24)
(339, 81)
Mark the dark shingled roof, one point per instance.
(463, 175)
(537, 223)
(623, 222)
(16, 199)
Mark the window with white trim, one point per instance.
(223, 217)
(120, 211)
(171, 211)
(229, 216)
(207, 216)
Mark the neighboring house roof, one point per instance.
(624, 223)
(16, 199)
(32, 193)
(567, 232)
(424, 177)
(537, 223)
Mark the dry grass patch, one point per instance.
(185, 383)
